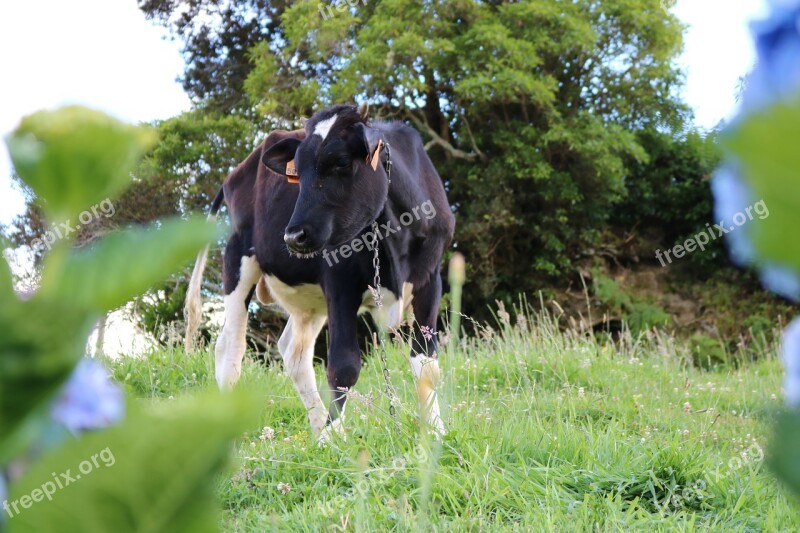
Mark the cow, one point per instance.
(343, 217)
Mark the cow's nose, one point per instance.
(295, 237)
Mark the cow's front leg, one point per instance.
(344, 357)
(240, 274)
(297, 349)
(424, 358)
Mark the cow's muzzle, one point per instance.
(298, 241)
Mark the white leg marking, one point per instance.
(388, 316)
(231, 343)
(308, 310)
(324, 126)
(335, 428)
(426, 371)
(394, 310)
(408, 296)
(297, 348)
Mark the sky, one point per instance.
(98, 53)
(104, 54)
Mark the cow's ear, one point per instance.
(279, 155)
(370, 137)
(363, 111)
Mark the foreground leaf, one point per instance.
(155, 473)
(765, 143)
(74, 157)
(125, 264)
(40, 342)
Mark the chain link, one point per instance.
(388, 165)
(388, 382)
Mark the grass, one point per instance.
(547, 432)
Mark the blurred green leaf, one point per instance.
(125, 264)
(74, 157)
(766, 144)
(784, 458)
(155, 473)
(40, 343)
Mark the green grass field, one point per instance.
(546, 432)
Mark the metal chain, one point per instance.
(378, 298)
(376, 280)
(388, 382)
(376, 265)
(388, 165)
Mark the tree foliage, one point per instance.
(217, 37)
(542, 117)
(667, 197)
(530, 109)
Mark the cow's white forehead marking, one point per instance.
(324, 126)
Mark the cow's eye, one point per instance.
(342, 164)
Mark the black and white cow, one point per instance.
(311, 245)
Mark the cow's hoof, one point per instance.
(226, 381)
(328, 432)
(318, 418)
(437, 428)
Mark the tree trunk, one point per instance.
(101, 335)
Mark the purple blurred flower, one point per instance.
(3, 492)
(781, 280)
(89, 399)
(777, 72)
(732, 196)
(776, 77)
(790, 354)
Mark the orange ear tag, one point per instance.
(376, 155)
(291, 172)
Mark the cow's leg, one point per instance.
(240, 273)
(297, 349)
(344, 357)
(424, 361)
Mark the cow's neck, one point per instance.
(393, 245)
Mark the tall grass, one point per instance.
(547, 431)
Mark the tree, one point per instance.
(530, 109)
(534, 112)
(217, 37)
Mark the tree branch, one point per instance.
(475, 148)
(436, 139)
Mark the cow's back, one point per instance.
(239, 188)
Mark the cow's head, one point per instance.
(341, 191)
